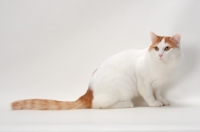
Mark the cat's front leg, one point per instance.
(160, 98)
(146, 92)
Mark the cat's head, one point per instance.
(165, 48)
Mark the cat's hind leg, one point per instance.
(122, 104)
(104, 101)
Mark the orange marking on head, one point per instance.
(171, 42)
(156, 42)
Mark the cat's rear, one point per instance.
(83, 102)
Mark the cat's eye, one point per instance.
(156, 48)
(167, 48)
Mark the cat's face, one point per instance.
(165, 48)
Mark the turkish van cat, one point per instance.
(123, 77)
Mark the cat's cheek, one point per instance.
(165, 58)
(156, 55)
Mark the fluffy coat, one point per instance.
(123, 77)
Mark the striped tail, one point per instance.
(84, 102)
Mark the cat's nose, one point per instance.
(160, 55)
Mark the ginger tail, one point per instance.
(84, 102)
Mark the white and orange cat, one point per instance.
(123, 77)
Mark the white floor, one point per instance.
(135, 119)
(49, 49)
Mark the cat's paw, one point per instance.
(131, 105)
(128, 104)
(165, 102)
(156, 103)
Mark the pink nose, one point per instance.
(160, 55)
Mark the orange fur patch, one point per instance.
(171, 42)
(16, 106)
(156, 42)
(84, 101)
(87, 98)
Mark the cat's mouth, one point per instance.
(160, 58)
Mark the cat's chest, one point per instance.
(161, 72)
(159, 80)
(161, 76)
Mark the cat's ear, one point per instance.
(154, 37)
(176, 38)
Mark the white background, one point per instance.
(49, 49)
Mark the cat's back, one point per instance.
(121, 63)
(123, 59)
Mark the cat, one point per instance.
(123, 77)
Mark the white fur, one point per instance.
(133, 73)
